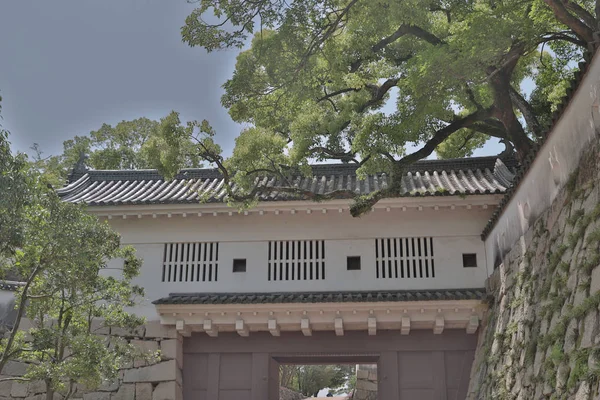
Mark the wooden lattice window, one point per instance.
(404, 258)
(190, 262)
(296, 260)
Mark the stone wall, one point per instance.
(541, 339)
(366, 383)
(160, 380)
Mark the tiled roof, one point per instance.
(322, 297)
(524, 168)
(479, 175)
(10, 285)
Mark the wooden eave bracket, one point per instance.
(305, 327)
(208, 327)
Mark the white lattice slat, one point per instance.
(296, 260)
(190, 262)
(404, 258)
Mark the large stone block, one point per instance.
(155, 330)
(595, 284)
(570, 336)
(362, 374)
(97, 396)
(126, 332)
(109, 386)
(366, 385)
(36, 387)
(143, 391)
(125, 392)
(167, 391)
(164, 371)
(56, 396)
(5, 386)
(99, 328)
(19, 389)
(583, 393)
(14, 368)
(590, 329)
(172, 349)
(145, 347)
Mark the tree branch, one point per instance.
(492, 128)
(336, 93)
(500, 80)
(583, 31)
(378, 92)
(581, 13)
(20, 311)
(471, 97)
(403, 30)
(527, 111)
(328, 31)
(442, 134)
(345, 156)
(561, 36)
(365, 203)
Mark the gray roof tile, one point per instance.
(322, 297)
(479, 175)
(11, 285)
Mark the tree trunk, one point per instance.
(575, 24)
(505, 112)
(49, 390)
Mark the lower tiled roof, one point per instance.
(322, 297)
(468, 176)
(11, 285)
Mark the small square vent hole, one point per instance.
(469, 260)
(239, 265)
(353, 263)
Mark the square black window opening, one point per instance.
(239, 265)
(469, 260)
(353, 263)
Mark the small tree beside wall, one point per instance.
(60, 252)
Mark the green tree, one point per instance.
(312, 378)
(357, 81)
(60, 253)
(15, 195)
(123, 146)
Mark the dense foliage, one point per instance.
(127, 145)
(60, 253)
(310, 379)
(15, 192)
(359, 81)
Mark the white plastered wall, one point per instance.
(454, 232)
(578, 126)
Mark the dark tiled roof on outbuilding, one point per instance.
(469, 176)
(11, 285)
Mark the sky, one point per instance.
(68, 66)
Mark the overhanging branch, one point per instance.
(527, 111)
(365, 203)
(404, 29)
(561, 13)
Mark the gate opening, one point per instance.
(345, 381)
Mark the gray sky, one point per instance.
(70, 65)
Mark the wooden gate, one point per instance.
(419, 366)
